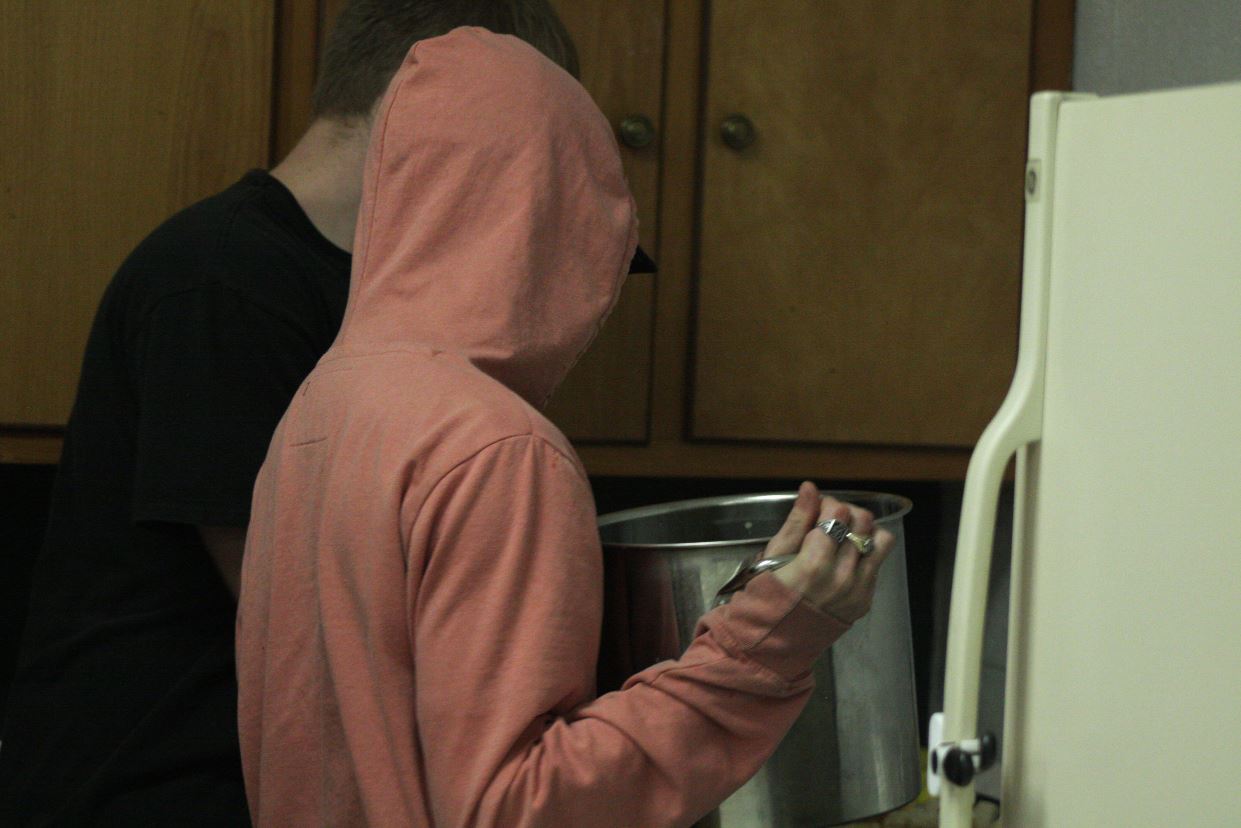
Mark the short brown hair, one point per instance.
(371, 38)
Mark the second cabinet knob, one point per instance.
(738, 132)
(636, 131)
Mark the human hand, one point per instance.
(834, 578)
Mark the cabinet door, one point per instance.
(620, 43)
(859, 261)
(115, 116)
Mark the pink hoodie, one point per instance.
(421, 594)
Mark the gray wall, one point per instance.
(1137, 45)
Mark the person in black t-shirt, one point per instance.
(123, 707)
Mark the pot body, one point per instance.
(853, 753)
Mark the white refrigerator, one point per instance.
(1123, 699)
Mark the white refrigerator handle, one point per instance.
(1018, 422)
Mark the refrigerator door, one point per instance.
(1123, 704)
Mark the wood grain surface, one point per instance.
(860, 262)
(116, 115)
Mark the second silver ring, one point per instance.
(865, 543)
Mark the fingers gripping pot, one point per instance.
(853, 753)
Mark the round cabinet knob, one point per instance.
(738, 131)
(636, 131)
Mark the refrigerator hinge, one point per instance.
(958, 762)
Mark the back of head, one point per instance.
(372, 37)
(496, 223)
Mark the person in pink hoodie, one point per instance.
(422, 583)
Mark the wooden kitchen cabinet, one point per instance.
(874, 222)
(859, 266)
(838, 298)
(115, 115)
(121, 115)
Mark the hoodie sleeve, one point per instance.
(506, 618)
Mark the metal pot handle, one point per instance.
(746, 572)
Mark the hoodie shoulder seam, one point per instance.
(530, 435)
(535, 438)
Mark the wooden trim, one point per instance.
(667, 459)
(1051, 45)
(296, 50)
(662, 180)
(736, 460)
(31, 446)
(670, 366)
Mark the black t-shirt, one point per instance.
(123, 708)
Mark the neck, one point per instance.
(324, 173)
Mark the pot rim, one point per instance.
(904, 505)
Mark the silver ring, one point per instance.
(865, 543)
(835, 529)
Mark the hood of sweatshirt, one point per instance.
(495, 219)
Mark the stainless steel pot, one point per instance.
(853, 753)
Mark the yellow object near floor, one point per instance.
(923, 812)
